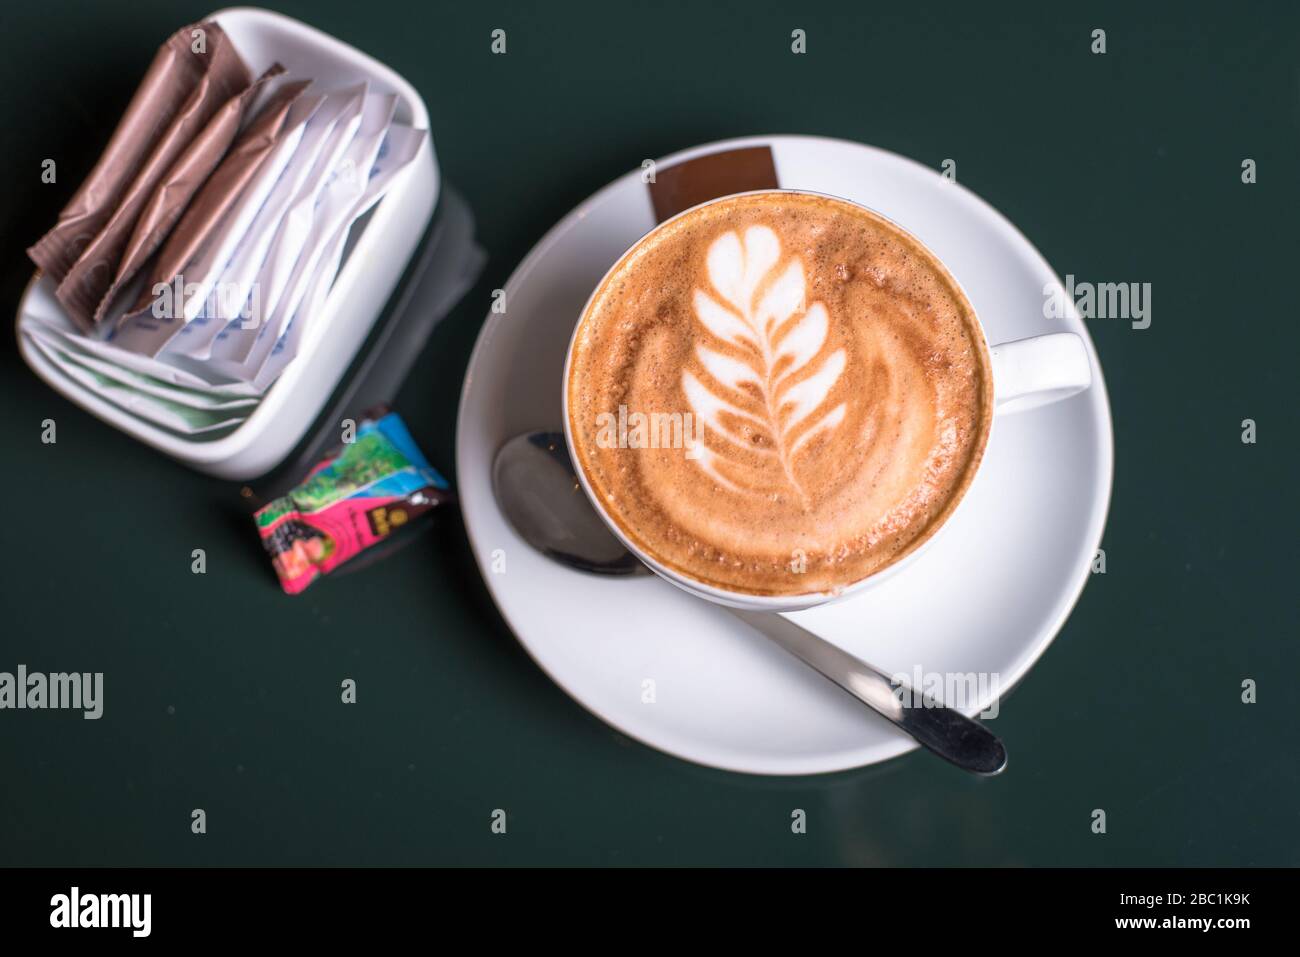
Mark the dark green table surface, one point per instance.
(223, 694)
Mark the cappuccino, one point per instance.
(837, 375)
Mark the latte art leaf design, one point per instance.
(768, 362)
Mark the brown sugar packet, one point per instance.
(222, 188)
(186, 177)
(90, 276)
(171, 78)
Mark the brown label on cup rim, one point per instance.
(694, 181)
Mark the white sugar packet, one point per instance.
(333, 214)
(293, 235)
(63, 336)
(286, 346)
(193, 398)
(399, 148)
(170, 415)
(206, 268)
(334, 208)
(335, 120)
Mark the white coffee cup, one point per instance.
(1027, 373)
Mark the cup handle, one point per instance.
(1031, 372)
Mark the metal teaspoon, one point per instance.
(538, 492)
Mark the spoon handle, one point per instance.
(945, 731)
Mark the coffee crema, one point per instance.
(778, 394)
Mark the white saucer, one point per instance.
(988, 595)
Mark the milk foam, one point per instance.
(839, 375)
(765, 314)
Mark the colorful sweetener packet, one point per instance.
(353, 499)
